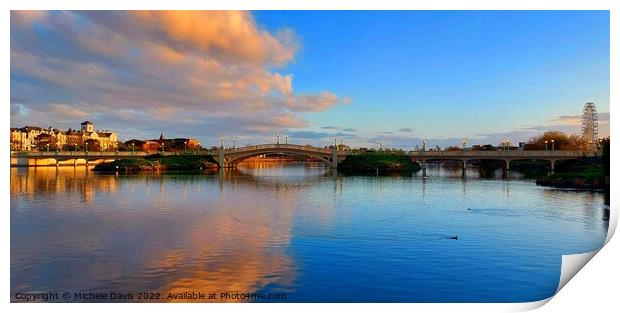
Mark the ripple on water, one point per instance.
(300, 230)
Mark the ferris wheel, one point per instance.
(589, 122)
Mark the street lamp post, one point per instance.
(424, 145)
(185, 147)
(234, 146)
(133, 147)
(335, 143)
(381, 145)
(286, 140)
(552, 145)
(377, 145)
(278, 139)
(162, 147)
(546, 144)
(222, 142)
(75, 146)
(86, 147)
(464, 143)
(48, 147)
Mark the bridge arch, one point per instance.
(235, 158)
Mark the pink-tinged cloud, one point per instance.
(603, 117)
(68, 110)
(26, 18)
(230, 34)
(180, 68)
(313, 103)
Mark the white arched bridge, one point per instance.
(230, 157)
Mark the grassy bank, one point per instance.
(372, 164)
(585, 173)
(158, 163)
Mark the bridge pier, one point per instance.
(552, 164)
(221, 160)
(506, 171)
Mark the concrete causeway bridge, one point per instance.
(230, 157)
(550, 156)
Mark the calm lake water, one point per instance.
(299, 230)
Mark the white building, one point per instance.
(26, 138)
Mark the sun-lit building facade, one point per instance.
(32, 138)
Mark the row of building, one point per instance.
(162, 144)
(32, 138)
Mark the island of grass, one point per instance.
(377, 163)
(158, 163)
(584, 173)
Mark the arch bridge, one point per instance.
(230, 157)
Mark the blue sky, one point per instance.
(397, 76)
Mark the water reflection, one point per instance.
(48, 181)
(167, 233)
(301, 229)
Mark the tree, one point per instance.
(577, 142)
(44, 142)
(74, 141)
(560, 141)
(605, 155)
(92, 144)
(15, 144)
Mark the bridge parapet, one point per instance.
(67, 154)
(503, 154)
(283, 147)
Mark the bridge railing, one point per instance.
(278, 146)
(502, 153)
(53, 154)
(454, 153)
